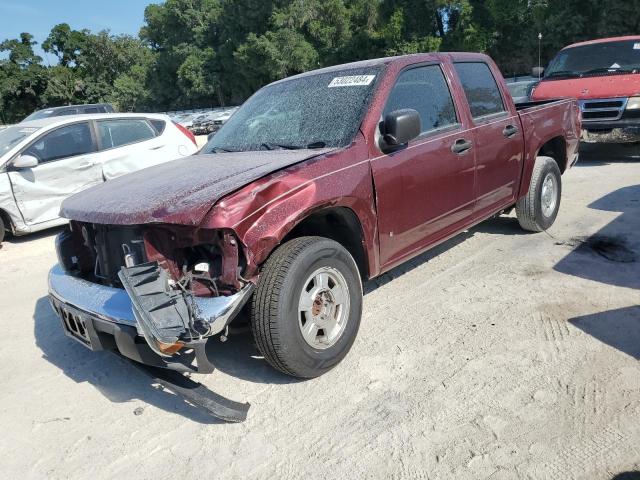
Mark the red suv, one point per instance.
(604, 75)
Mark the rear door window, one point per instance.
(91, 110)
(68, 141)
(480, 88)
(119, 132)
(425, 90)
(159, 125)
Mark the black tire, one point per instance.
(529, 209)
(275, 315)
(3, 230)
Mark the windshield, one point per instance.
(520, 89)
(38, 115)
(598, 58)
(314, 111)
(10, 137)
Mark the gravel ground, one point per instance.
(497, 355)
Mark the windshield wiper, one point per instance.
(275, 146)
(609, 70)
(562, 73)
(220, 149)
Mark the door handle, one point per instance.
(84, 165)
(461, 146)
(510, 131)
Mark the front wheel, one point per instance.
(306, 311)
(538, 209)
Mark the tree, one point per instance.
(193, 53)
(22, 79)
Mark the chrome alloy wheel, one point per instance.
(549, 195)
(323, 309)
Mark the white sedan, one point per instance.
(42, 162)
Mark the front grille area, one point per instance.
(605, 109)
(98, 252)
(73, 323)
(112, 245)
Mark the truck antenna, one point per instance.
(539, 54)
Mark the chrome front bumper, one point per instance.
(106, 303)
(109, 310)
(114, 305)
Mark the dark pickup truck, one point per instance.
(318, 182)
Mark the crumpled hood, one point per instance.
(608, 86)
(178, 192)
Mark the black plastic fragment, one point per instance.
(163, 315)
(197, 394)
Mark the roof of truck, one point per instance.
(604, 40)
(374, 62)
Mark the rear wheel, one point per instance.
(3, 230)
(538, 210)
(305, 313)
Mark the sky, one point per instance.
(38, 16)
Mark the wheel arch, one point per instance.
(555, 148)
(340, 224)
(6, 221)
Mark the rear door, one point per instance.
(424, 190)
(130, 144)
(66, 165)
(498, 137)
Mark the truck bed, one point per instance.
(549, 122)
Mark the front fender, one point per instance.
(263, 213)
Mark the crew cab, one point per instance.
(604, 75)
(358, 168)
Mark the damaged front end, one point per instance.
(170, 317)
(178, 286)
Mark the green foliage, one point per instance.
(215, 52)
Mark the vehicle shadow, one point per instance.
(239, 357)
(49, 232)
(635, 475)
(594, 154)
(501, 225)
(111, 375)
(611, 255)
(618, 328)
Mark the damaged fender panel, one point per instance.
(8, 203)
(263, 213)
(170, 318)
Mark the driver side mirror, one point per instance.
(25, 161)
(537, 72)
(401, 126)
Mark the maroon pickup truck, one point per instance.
(318, 182)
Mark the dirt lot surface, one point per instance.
(497, 355)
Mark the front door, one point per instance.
(425, 190)
(66, 165)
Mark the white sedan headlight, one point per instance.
(634, 103)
